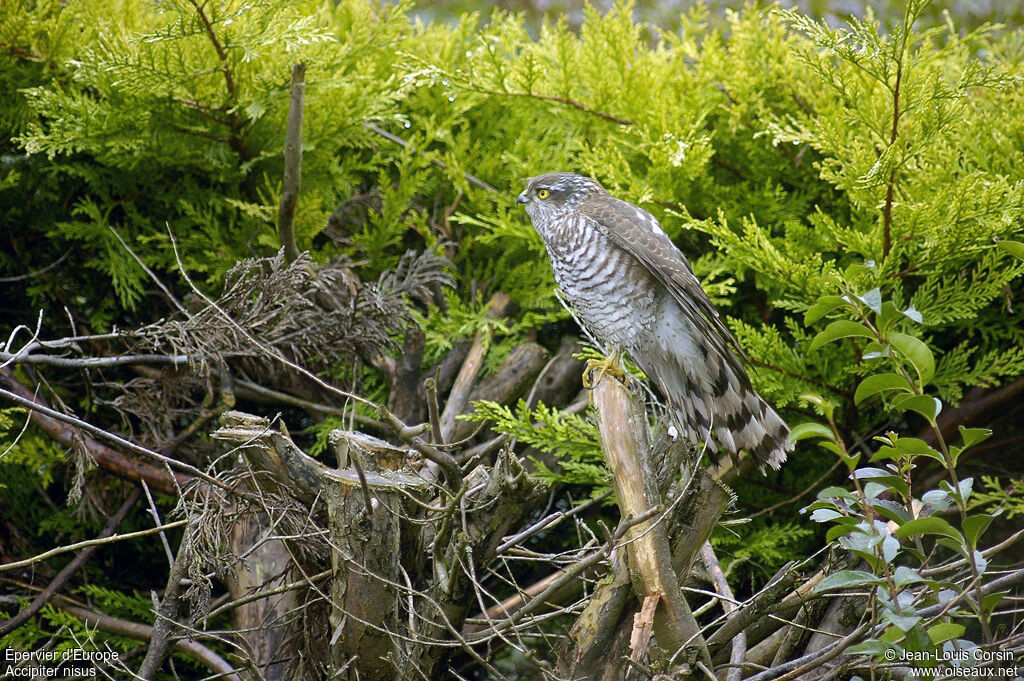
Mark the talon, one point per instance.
(609, 365)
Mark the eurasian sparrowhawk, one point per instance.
(635, 292)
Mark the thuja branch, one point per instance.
(233, 120)
(891, 187)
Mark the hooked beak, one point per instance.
(522, 199)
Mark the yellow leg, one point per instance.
(609, 365)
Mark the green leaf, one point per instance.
(927, 406)
(956, 546)
(843, 328)
(916, 352)
(873, 299)
(945, 631)
(810, 429)
(871, 647)
(845, 579)
(904, 622)
(885, 477)
(989, 602)
(867, 267)
(905, 575)
(890, 510)
(1014, 248)
(907, 448)
(872, 385)
(975, 525)
(821, 308)
(838, 530)
(973, 436)
(929, 525)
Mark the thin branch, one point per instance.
(91, 542)
(62, 577)
(259, 595)
(568, 102)
(151, 273)
(292, 165)
(36, 273)
(54, 424)
(472, 179)
(106, 435)
(739, 642)
(410, 435)
(91, 362)
(795, 668)
(143, 632)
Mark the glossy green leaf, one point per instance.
(945, 631)
(840, 329)
(872, 385)
(927, 406)
(821, 308)
(845, 579)
(803, 431)
(871, 647)
(1014, 248)
(916, 352)
(975, 525)
(929, 525)
(973, 436)
(905, 575)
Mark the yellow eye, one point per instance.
(543, 194)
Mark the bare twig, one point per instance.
(62, 577)
(472, 179)
(739, 642)
(410, 435)
(106, 435)
(795, 668)
(292, 164)
(90, 542)
(166, 615)
(91, 362)
(53, 424)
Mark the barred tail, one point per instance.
(712, 400)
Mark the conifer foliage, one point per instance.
(851, 197)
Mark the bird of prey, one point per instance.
(633, 289)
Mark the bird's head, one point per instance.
(556, 193)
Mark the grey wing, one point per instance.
(638, 232)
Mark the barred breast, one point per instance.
(613, 294)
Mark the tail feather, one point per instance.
(713, 401)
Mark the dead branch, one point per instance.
(62, 577)
(214, 662)
(167, 609)
(292, 164)
(458, 399)
(622, 426)
(753, 610)
(739, 642)
(59, 427)
(508, 383)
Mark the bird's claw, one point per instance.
(608, 365)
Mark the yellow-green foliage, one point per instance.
(767, 148)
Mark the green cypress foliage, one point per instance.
(783, 154)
